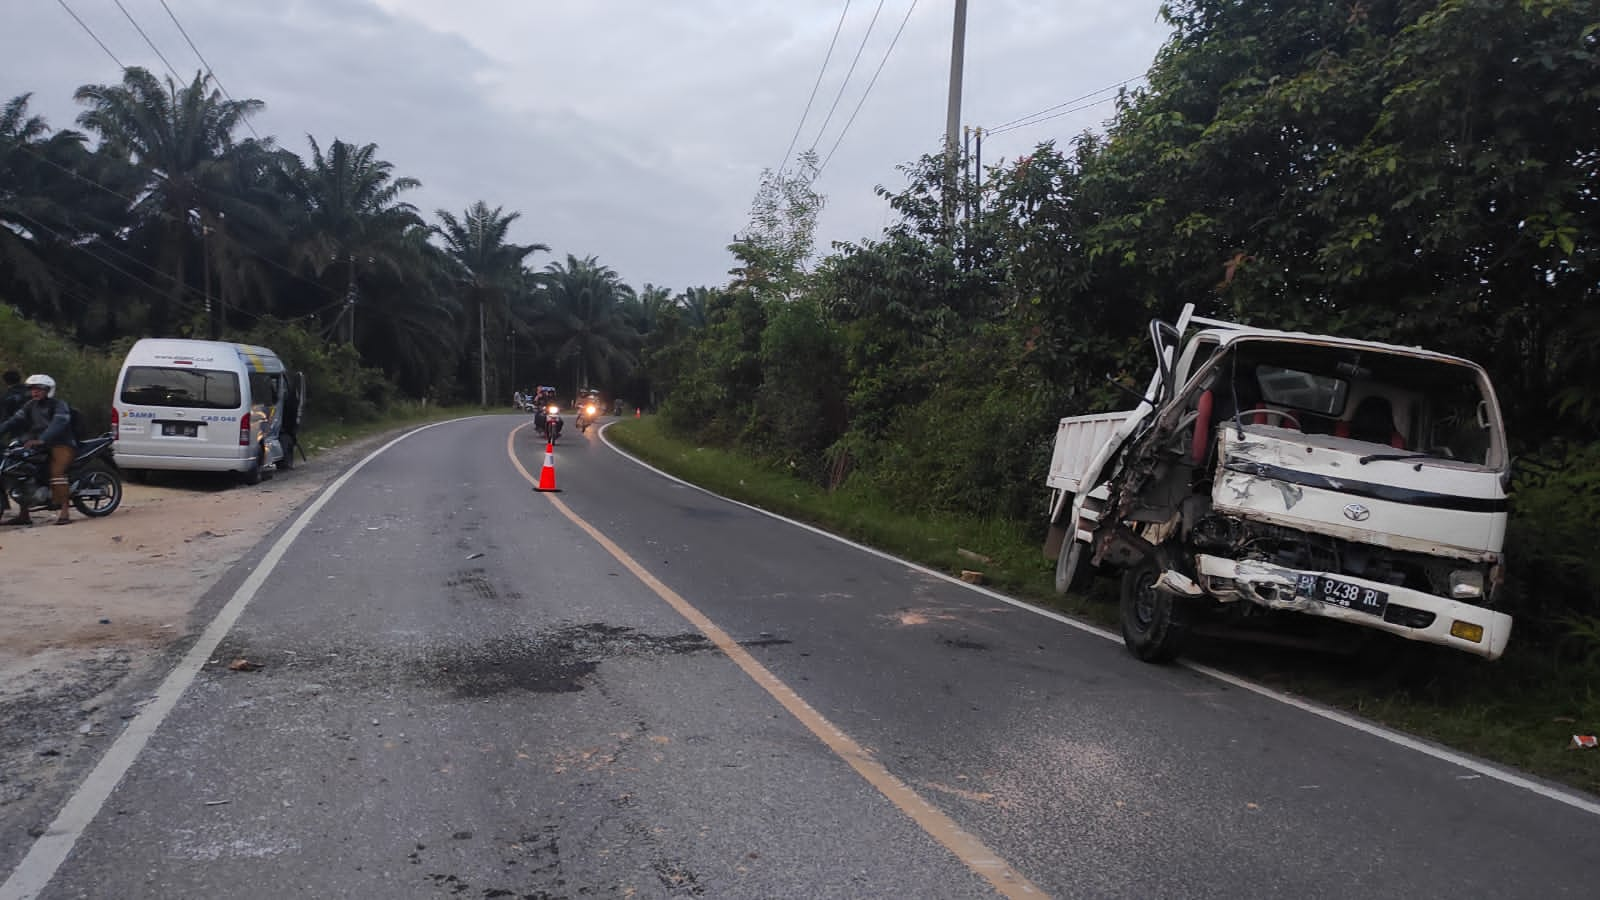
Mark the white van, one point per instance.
(205, 406)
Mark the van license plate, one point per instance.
(180, 429)
(1342, 593)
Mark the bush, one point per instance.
(86, 379)
(338, 388)
(1552, 550)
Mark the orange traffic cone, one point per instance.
(547, 475)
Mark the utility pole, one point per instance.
(483, 361)
(952, 126)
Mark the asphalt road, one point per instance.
(465, 692)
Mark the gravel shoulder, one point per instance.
(95, 612)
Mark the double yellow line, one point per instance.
(971, 851)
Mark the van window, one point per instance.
(263, 389)
(180, 387)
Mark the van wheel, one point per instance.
(1155, 624)
(253, 475)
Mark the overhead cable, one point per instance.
(90, 31)
(210, 72)
(864, 93)
(152, 44)
(809, 100)
(988, 132)
(829, 117)
(1040, 116)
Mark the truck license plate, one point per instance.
(180, 429)
(1342, 593)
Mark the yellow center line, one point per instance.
(973, 853)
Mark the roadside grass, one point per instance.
(1520, 711)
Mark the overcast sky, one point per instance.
(634, 131)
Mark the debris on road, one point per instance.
(971, 577)
(973, 555)
(1585, 742)
(243, 665)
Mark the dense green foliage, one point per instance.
(1412, 172)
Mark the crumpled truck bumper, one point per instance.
(1411, 614)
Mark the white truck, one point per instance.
(1268, 470)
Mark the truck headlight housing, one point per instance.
(1466, 584)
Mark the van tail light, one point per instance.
(244, 430)
(116, 424)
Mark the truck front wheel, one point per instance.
(1155, 624)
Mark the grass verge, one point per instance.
(1521, 710)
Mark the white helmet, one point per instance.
(44, 381)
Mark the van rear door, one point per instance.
(185, 410)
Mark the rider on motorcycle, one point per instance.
(45, 421)
(542, 401)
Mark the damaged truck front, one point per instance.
(1267, 470)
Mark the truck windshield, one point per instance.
(1414, 404)
(187, 388)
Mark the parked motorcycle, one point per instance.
(95, 484)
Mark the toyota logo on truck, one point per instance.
(1355, 512)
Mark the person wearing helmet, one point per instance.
(45, 421)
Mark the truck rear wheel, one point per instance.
(1072, 566)
(1155, 624)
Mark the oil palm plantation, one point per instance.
(486, 271)
(178, 141)
(587, 317)
(32, 213)
(349, 221)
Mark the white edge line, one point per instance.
(1442, 754)
(51, 849)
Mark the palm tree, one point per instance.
(696, 303)
(32, 211)
(179, 140)
(350, 217)
(586, 312)
(487, 271)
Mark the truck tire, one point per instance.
(1155, 625)
(1073, 571)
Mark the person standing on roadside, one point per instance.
(46, 421)
(16, 394)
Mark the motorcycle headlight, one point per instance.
(589, 410)
(553, 409)
(1466, 584)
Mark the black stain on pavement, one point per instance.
(544, 662)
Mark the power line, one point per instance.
(209, 71)
(864, 93)
(172, 218)
(91, 33)
(1093, 103)
(851, 71)
(828, 56)
(152, 44)
(1033, 118)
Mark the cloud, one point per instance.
(634, 131)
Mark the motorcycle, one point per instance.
(94, 483)
(586, 416)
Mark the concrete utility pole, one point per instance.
(952, 127)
